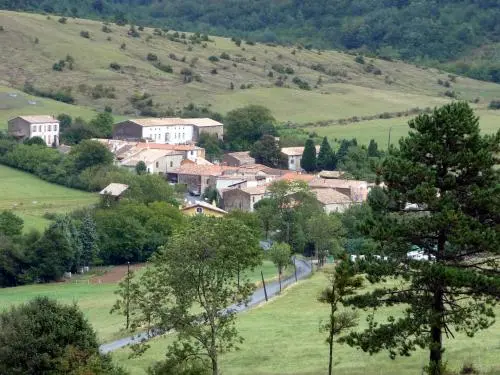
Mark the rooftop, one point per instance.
(114, 189)
(162, 146)
(243, 157)
(255, 190)
(174, 121)
(319, 182)
(147, 156)
(206, 205)
(294, 176)
(295, 151)
(330, 196)
(38, 119)
(203, 170)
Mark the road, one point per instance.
(303, 270)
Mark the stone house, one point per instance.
(243, 198)
(157, 161)
(45, 127)
(237, 159)
(355, 189)
(293, 155)
(332, 200)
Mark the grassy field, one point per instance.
(14, 103)
(95, 300)
(282, 337)
(32, 43)
(378, 129)
(30, 197)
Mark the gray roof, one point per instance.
(114, 189)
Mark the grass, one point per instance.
(345, 90)
(282, 337)
(30, 197)
(363, 131)
(95, 300)
(14, 103)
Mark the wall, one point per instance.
(216, 130)
(28, 130)
(192, 212)
(127, 130)
(236, 199)
(175, 134)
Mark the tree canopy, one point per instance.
(308, 161)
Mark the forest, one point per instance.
(425, 31)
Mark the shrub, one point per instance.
(187, 75)
(494, 104)
(141, 28)
(213, 71)
(133, 32)
(359, 59)
(213, 58)
(2, 28)
(37, 41)
(250, 43)
(152, 57)
(61, 95)
(123, 46)
(62, 20)
(225, 56)
(289, 70)
(101, 91)
(164, 67)
(270, 74)
(115, 66)
(105, 29)
(85, 34)
(59, 66)
(242, 86)
(108, 39)
(451, 94)
(303, 85)
(172, 56)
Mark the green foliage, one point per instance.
(141, 168)
(303, 85)
(280, 253)
(34, 141)
(326, 157)
(446, 169)
(90, 153)
(308, 161)
(45, 337)
(61, 95)
(89, 240)
(245, 126)
(267, 151)
(327, 234)
(10, 224)
(360, 59)
(494, 104)
(373, 149)
(115, 66)
(213, 58)
(225, 56)
(85, 34)
(152, 57)
(167, 68)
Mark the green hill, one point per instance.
(203, 73)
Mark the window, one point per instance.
(49, 128)
(171, 164)
(157, 164)
(39, 128)
(253, 199)
(55, 128)
(292, 161)
(33, 128)
(192, 152)
(199, 210)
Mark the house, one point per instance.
(331, 174)
(293, 155)
(237, 159)
(157, 161)
(114, 190)
(169, 130)
(45, 127)
(243, 198)
(197, 177)
(355, 189)
(190, 152)
(202, 208)
(332, 200)
(296, 176)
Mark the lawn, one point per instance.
(378, 129)
(282, 337)
(30, 197)
(14, 103)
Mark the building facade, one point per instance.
(26, 127)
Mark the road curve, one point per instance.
(273, 288)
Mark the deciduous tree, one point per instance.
(280, 254)
(442, 200)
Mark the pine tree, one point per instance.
(373, 149)
(326, 157)
(89, 240)
(308, 161)
(445, 169)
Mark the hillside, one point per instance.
(340, 87)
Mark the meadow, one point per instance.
(282, 337)
(30, 197)
(339, 86)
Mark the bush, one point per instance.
(61, 95)
(289, 70)
(105, 29)
(133, 32)
(213, 71)
(101, 91)
(225, 56)
(115, 66)
(213, 58)
(152, 57)
(359, 59)
(451, 94)
(303, 85)
(62, 20)
(85, 34)
(172, 56)
(164, 67)
(59, 66)
(141, 28)
(494, 104)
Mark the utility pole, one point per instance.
(127, 312)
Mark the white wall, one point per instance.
(175, 134)
(294, 162)
(42, 131)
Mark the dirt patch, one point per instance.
(115, 274)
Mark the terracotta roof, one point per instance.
(318, 182)
(203, 170)
(206, 205)
(38, 119)
(330, 196)
(293, 176)
(147, 156)
(295, 151)
(242, 157)
(255, 190)
(114, 189)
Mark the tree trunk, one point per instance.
(330, 340)
(436, 345)
(279, 279)
(215, 366)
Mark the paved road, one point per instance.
(303, 270)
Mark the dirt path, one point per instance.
(114, 275)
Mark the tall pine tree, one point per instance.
(326, 157)
(445, 170)
(308, 161)
(89, 241)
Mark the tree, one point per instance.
(103, 123)
(343, 283)
(266, 212)
(327, 234)
(89, 240)
(90, 153)
(35, 141)
(46, 337)
(65, 122)
(280, 253)
(308, 161)
(212, 146)
(124, 292)
(211, 195)
(446, 169)
(267, 151)
(373, 149)
(245, 126)
(10, 224)
(326, 157)
(141, 168)
(200, 265)
(14, 263)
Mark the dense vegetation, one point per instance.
(411, 30)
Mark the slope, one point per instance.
(204, 72)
